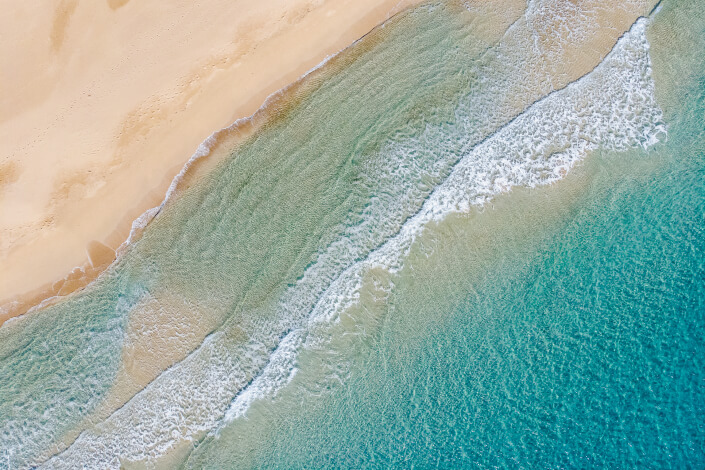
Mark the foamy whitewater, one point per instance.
(613, 107)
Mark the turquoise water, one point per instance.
(579, 344)
(356, 287)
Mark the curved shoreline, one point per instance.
(100, 255)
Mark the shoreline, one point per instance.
(102, 252)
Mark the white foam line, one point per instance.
(451, 195)
(203, 150)
(279, 371)
(536, 148)
(205, 147)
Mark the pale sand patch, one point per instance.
(575, 35)
(102, 103)
(162, 330)
(109, 101)
(165, 329)
(563, 40)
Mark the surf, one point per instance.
(556, 131)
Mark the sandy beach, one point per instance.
(246, 236)
(149, 354)
(104, 102)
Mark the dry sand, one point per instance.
(102, 103)
(160, 124)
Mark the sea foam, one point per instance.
(613, 107)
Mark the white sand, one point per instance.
(102, 103)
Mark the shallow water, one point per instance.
(356, 287)
(563, 328)
(560, 328)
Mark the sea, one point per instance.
(473, 239)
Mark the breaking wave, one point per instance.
(612, 107)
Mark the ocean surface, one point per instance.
(457, 244)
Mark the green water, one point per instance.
(557, 326)
(563, 328)
(571, 337)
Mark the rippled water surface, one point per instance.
(449, 247)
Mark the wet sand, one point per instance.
(99, 127)
(109, 101)
(147, 354)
